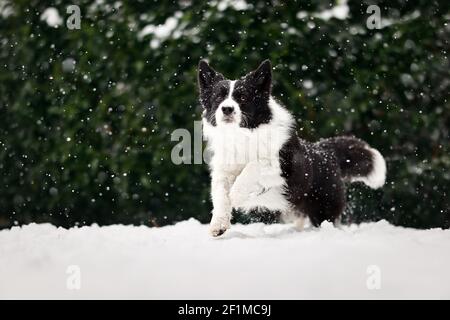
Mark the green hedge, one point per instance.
(91, 143)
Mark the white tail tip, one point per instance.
(377, 177)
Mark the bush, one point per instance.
(86, 115)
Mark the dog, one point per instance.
(259, 162)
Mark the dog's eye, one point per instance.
(240, 97)
(221, 94)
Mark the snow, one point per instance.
(52, 17)
(161, 32)
(6, 9)
(238, 5)
(173, 28)
(340, 11)
(369, 261)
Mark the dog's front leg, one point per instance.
(256, 179)
(221, 216)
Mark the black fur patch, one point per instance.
(354, 158)
(252, 93)
(213, 90)
(315, 174)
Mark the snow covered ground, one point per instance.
(369, 261)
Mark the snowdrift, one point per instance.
(369, 261)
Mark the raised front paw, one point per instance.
(239, 194)
(246, 186)
(237, 197)
(218, 227)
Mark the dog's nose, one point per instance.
(227, 110)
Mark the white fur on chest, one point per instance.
(250, 158)
(233, 146)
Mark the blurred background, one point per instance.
(86, 114)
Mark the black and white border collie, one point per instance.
(259, 162)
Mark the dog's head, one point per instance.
(243, 103)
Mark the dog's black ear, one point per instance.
(207, 76)
(261, 78)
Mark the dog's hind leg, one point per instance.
(338, 222)
(299, 223)
(295, 217)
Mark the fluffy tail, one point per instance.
(357, 160)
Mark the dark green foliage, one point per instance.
(92, 144)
